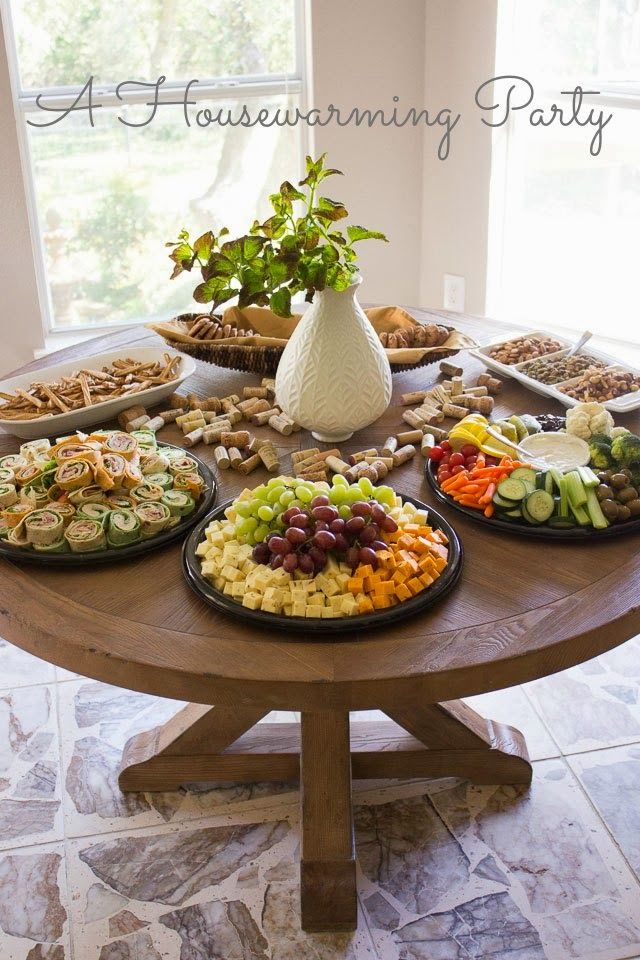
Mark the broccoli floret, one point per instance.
(625, 450)
(601, 438)
(601, 458)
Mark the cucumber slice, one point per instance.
(501, 503)
(526, 474)
(540, 505)
(512, 490)
(561, 523)
(529, 518)
(511, 515)
(548, 483)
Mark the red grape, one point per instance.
(378, 513)
(353, 555)
(354, 524)
(456, 460)
(324, 539)
(436, 453)
(361, 508)
(279, 545)
(295, 535)
(321, 525)
(305, 563)
(342, 543)
(300, 520)
(378, 545)
(337, 525)
(261, 553)
(276, 561)
(367, 555)
(369, 534)
(318, 556)
(320, 501)
(324, 512)
(456, 470)
(290, 513)
(389, 525)
(290, 563)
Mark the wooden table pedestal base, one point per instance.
(324, 752)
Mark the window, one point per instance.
(565, 223)
(105, 199)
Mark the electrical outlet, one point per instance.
(454, 290)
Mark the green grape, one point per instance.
(275, 493)
(354, 493)
(344, 510)
(321, 487)
(297, 503)
(366, 486)
(242, 508)
(261, 532)
(384, 495)
(287, 497)
(278, 508)
(339, 481)
(255, 507)
(247, 526)
(265, 513)
(337, 495)
(304, 494)
(260, 493)
(274, 481)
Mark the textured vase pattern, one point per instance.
(334, 377)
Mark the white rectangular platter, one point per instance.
(64, 423)
(626, 404)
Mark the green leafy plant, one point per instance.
(297, 249)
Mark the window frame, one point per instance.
(238, 88)
(620, 94)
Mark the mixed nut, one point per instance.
(523, 348)
(602, 385)
(619, 499)
(557, 369)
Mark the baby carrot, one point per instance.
(488, 496)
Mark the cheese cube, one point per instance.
(251, 600)
(231, 573)
(313, 610)
(328, 613)
(270, 606)
(316, 598)
(238, 588)
(298, 609)
(228, 588)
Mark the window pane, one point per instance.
(577, 39)
(571, 232)
(63, 43)
(108, 198)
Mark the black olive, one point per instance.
(610, 509)
(633, 506)
(604, 492)
(619, 481)
(626, 494)
(623, 512)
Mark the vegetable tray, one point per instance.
(115, 554)
(320, 628)
(573, 535)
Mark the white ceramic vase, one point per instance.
(334, 377)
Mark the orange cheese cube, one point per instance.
(415, 586)
(364, 570)
(426, 579)
(365, 606)
(380, 603)
(439, 550)
(440, 563)
(403, 592)
(385, 588)
(384, 555)
(355, 585)
(427, 563)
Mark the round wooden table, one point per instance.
(523, 609)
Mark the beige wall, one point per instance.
(363, 53)
(460, 54)
(20, 318)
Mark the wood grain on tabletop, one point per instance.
(524, 608)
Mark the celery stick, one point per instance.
(581, 515)
(557, 478)
(575, 489)
(588, 477)
(597, 517)
(564, 497)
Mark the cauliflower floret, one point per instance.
(619, 432)
(585, 419)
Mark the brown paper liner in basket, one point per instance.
(260, 352)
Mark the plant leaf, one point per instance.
(361, 233)
(280, 302)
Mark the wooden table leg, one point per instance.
(328, 865)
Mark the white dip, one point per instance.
(560, 450)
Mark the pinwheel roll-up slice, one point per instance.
(83, 536)
(91, 494)
(115, 465)
(145, 492)
(164, 480)
(27, 474)
(183, 465)
(146, 439)
(119, 501)
(66, 510)
(153, 462)
(123, 528)
(74, 474)
(153, 518)
(132, 476)
(17, 536)
(74, 451)
(36, 496)
(191, 482)
(43, 527)
(13, 461)
(5, 529)
(36, 449)
(179, 502)
(123, 443)
(94, 511)
(60, 546)
(8, 495)
(15, 513)
(7, 475)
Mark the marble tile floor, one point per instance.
(446, 871)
